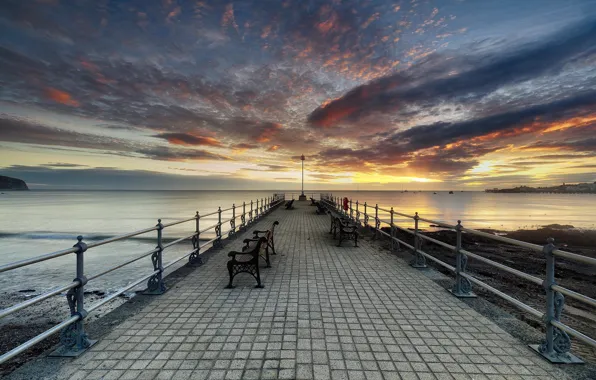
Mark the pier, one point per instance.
(325, 312)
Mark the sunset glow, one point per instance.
(381, 95)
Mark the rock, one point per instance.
(9, 183)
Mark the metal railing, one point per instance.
(73, 338)
(293, 195)
(557, 344)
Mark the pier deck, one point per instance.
(325, 313)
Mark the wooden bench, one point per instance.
(249, 264)
(289, 205)
(270, 243)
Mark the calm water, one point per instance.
(37, 222)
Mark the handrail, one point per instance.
(437, 222)
(37, 259)
(142, 256)
(575, 295)
(120, 237)
(120, 291)
(155, 278)
(177, 241)
(437, 242)
(553, 290)
(41, 297)
(574, 257)
(179, 222)
(33, 341)
(503, 239)
(529, 277)
(507, 297)
(208, 228)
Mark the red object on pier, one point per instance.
(346, 201)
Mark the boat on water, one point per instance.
(451, 192)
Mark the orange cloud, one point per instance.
(273, 148)
(61, 97)
(268, 132)
(188, 139)
(574, 122)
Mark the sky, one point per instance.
(378, 95)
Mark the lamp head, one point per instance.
(302, 157)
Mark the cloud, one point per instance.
(425, 136)
(587, 166)
(63, 165)
(168, 154)
(61, 97)
(26, 131)
(490, 73)
(243, 146)
(274, 168)
(188, 139)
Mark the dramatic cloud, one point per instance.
(370, 91)
(490, 73)
(188, 139)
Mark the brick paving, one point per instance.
(325, 313)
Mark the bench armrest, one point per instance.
(234, 253)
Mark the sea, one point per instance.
(34, 223)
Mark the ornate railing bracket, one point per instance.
(555, 348)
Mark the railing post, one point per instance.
(250, 219)
(217, 243)
(195, 258)
(155, 284)
(74, 338)
(357, 213)
(392, 230)
(351, 210)
(262, 205)
(377, 221)
(419, 259)
(243, 217)
(365, 216)
(463, 286)
(257, 210)
(232, 232)
(557, 344)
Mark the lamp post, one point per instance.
(302, 197)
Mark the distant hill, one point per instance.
(589, 188)
(9, 183)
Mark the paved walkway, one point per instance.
(325, 313)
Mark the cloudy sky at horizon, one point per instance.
(167, 94)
